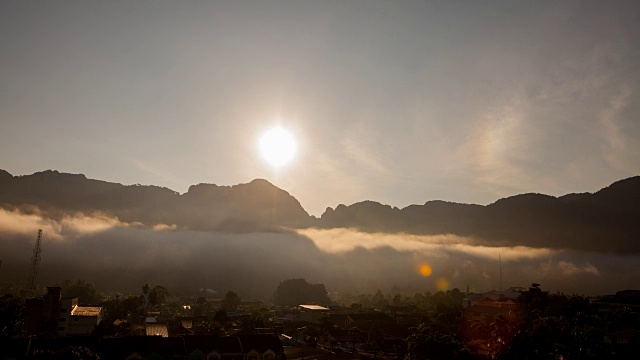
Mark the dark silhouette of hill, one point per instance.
(607, 220)
(258, 205)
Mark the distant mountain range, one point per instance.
(607, 220)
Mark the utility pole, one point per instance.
(35, 260)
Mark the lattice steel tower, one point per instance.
(35, 260)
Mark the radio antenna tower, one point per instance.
(35, 260)
(500, 264)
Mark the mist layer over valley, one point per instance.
(250, 245)
(120, 256)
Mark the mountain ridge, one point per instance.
(198, 208)
(606, 220)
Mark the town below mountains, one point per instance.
(603, 221)
(430, 285)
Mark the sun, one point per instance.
(278, 146)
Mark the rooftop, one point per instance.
(314, 307)
(86, 310)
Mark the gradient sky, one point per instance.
(395, 101)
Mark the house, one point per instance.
(487, 306)
(191, 347)
(142, 347)
(482, 313)
(261, 347)
(83, 319)
(153, 327)
(364, 318)
(211, 347)
(52, 314)
(491, 297)
(625, 341)
(24, 348)
(313, 313)
(241, 347)
(344, 339)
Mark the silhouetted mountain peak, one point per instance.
(5, 175)
(574, 220)
(629, 185)
(200, 189)
(261, 182)
(371, 205)
(244, 207)
(573, 197)
(436, 202)
(54, 174)
(526, 199)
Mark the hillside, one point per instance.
(607, 220)
(258, 205)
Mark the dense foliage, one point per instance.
(86, 292)
(294, 292)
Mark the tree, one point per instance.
(378, 300)
(397, 300)
(127, 309)
(203, 307)
(158, 295)
(208, 326)
(86, 292)
(11, 316)
(9, 287)
(231, 301)
(294, 292)
(221, 316)
(133, 306)
(145, 294)
(256, 320)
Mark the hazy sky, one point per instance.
(395, 101)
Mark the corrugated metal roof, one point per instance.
(314, 307)
(86, 310)
(155, 329)
(187, 324)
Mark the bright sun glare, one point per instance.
(277, 146)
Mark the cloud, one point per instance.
(121, 257)
(616, 149)
(341, 240)
(68, 227)
(544, 124)
(363, 156)
(569, 268)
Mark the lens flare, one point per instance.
(442, 284)
(425, 270)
